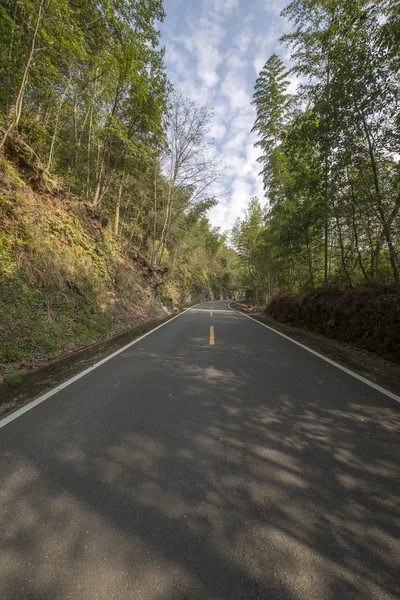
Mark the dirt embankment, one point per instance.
(65, 280)
(367, 317)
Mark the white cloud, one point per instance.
(225, 214)
(223, 113)
(204, 41)
(218, 131)
(233, 89)
(259, 62)
(244, 120)
(234, 62)
(237, 141)
(220, 8)
(215, 50)
(243, 41)
(275, 6)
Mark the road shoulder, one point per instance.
(365, 364)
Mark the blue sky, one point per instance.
(214, 52)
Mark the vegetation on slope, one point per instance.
(66, 280)
(107, 174)
(366, 316)
(106, 178)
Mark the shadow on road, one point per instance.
(211, 490)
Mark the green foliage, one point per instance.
(200, 265)
(92, 76)
(365, 315)
(63, 282)
(12, 353)
(331, 153)
(86, 103)
(272, 105)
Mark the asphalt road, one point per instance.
(183, 469)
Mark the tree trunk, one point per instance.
(10, 53)
(381, 211)
(53, 139)
(326, 242)
(326, 180)
(99, 174)
(161, 246)
(78, 144)
(118, 202)
(75, 119)
(354, 225)
(310, 259)
(330, 258)
(341, 245)
(88, 154)
(360, 262)
(155, 215)
(90, 139)
(102, 156)
(15, 111)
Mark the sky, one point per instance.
(214, 52)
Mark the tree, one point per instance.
(334, 217)
(272, 105)
(249, 243)
(86, 97)
(338, 47)
(189, 164)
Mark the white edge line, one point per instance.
(17, 413)
(325, 358)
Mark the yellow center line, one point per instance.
(212, 339)
(210, 314)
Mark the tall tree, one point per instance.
(272, 104)
(189, 163)
(337, 218)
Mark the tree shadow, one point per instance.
(205, 482)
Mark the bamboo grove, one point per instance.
(329, 153)
(84, 85)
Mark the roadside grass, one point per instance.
(15, 378)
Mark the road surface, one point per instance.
(212, 460)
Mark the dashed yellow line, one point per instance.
(211, 314)
(212, 337)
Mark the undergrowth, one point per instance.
(366, 316)
(64, 281)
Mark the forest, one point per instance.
(106, 177)
(329, 153)
(85, 86)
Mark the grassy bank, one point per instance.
(65, 280)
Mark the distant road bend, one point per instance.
(212, 460)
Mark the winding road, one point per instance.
(212, 459)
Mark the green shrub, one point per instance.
(14, 378)
(367, 316)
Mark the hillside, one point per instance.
(103, 216)
(66, 280)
